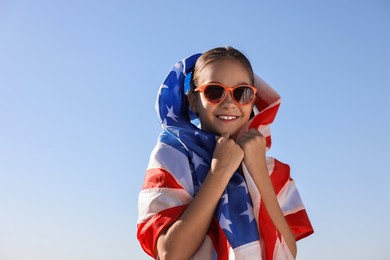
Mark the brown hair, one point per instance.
(216, 54)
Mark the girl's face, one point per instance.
(227, 116)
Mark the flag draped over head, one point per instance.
(241, 228)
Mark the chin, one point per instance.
(232, 134)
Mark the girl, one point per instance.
(210, 192)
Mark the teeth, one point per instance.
(227, 117)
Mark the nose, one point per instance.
(228, 102)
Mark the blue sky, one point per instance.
(78, 82)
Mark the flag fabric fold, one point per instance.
(241, 228)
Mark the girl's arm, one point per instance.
(183, 237)
(253, 144)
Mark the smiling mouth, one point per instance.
(227, 117)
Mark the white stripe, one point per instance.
(152, 201)
(246, 252)
(281, 251)
(255, 110)
(168, 158)
(265, 130)
(270, 165)
(289, 199)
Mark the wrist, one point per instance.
(257, 163)
(219, 175)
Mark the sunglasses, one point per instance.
(217, 93)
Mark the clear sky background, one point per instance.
(78, 82)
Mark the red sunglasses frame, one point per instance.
(202, 88)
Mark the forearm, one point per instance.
(183, 238)
(263, 183)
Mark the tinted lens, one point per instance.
(214, 93)
(243, 94)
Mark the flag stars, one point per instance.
(243, 184)
(171, 114)
(248, 212)
(197, 160)
(225, 199)
(224, 222)
(203, 136)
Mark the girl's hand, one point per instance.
(254, 145)
(227, 156)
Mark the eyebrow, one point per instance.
(216, 82)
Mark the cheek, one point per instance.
(247, 111)
(205, 110)
(203, 102)
(203, 105)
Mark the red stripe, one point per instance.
(280, 175)
(219, 240)
(160, 178)
(148, 232)
(268, 141)
(300, 224)
(265, 117)
(268, 232)
(266, 98)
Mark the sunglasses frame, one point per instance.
(202, 88)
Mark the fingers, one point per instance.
(254, 131)
(227, 155)
(223, 137)
(252, 136)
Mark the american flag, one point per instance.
(179, 163)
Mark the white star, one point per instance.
(225, 199)
(224, 222)
(248, 212)
(243, 184)
(171, 114)
(197, 160)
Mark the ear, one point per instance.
(192, 101)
